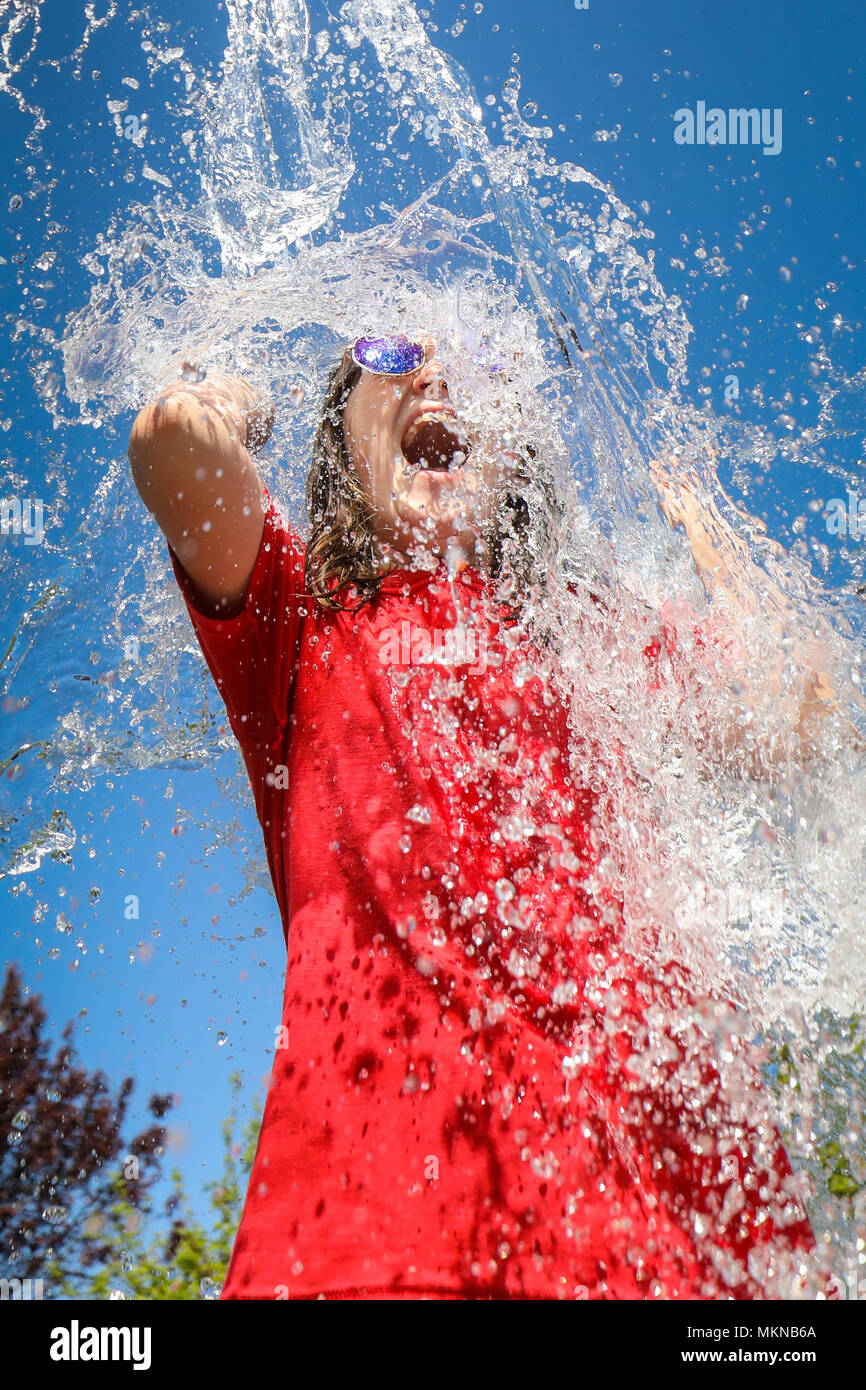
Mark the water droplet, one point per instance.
(516, 964)
(56, 1215)
(222, 1038)
(616, 78)
(15, 202)
(505, 890)
(21, 1120)
(192, 371)
(296, 395)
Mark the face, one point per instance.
(429, 483)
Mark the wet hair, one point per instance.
(341, 552)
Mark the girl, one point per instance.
(479, 1092)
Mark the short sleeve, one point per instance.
(252, 656)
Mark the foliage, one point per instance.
(60, 1134)
(173, 1255)
(76, 1199)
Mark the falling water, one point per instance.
(335, 173)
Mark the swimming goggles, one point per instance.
(396, 355)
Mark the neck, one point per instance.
(455, 554)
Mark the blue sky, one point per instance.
(156, 999)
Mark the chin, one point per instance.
(449, 525)
(451, 498)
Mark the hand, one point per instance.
(720, 555)
(234, 399)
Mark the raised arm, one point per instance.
(721, 559)
(190, 452)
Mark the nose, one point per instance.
(430, 378)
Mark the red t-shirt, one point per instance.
(475, 1097)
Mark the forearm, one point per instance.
(190, 456)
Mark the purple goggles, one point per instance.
(396, 355)
(393, 355)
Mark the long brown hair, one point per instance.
(341, 551)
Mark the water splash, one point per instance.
(241, 259)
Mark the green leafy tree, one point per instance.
(171, 1254)
(61, 1147)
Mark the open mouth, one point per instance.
(435, 441)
